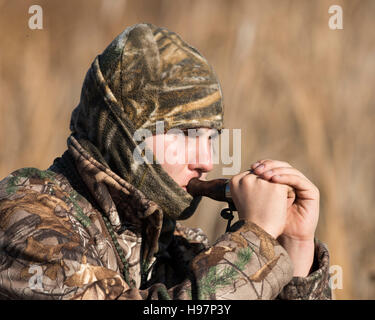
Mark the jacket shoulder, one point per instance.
(45, 225)
(32, 188)
(29, 178)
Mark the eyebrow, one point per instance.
(215, 134)
(199, 133)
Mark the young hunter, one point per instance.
(97, 224)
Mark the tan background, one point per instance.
(299, 91)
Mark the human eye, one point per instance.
(214, 135)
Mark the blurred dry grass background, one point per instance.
(299, 91)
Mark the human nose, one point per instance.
(203, 156)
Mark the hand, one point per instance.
(303, 213)
(261, 202)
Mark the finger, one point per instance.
(268, 174)
(263, 161)
(304, 188)
(268, 164)
(235, 179)
(256, 164)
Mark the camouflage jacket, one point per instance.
(85, 233)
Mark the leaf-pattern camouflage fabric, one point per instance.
(316, 285)
(54, 244)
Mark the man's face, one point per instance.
(184, 156)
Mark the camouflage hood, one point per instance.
(147, 74)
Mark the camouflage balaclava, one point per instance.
(147, 74)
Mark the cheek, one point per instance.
(174, 160)
(176, 149)
(176, 171)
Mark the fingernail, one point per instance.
(260, 167)
(255, 165)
